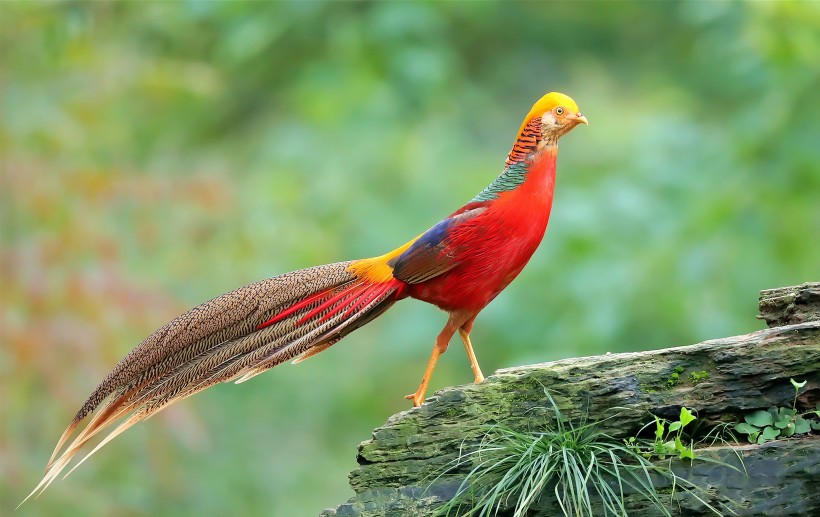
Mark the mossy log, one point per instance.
(721, 379)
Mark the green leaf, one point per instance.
(686, 416)
(745, 428)
(674, 426)
(687, 452)
(789, 431)
(768, 434)
(753, 437)
(801, 426)
(815, 425)
(787, 414)
(683, 450)
(759, 418)
(797, 385)
(660, 429)
(783, 423)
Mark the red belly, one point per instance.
(492, 249)
(487, 264)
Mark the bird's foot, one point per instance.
(417, 398)
(479, 377)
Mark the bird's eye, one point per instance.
(559, 110)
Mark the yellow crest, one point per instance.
(547, 103)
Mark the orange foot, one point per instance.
(417, 398)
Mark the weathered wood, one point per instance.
(721, 379)
(780, 478)
(790, 305)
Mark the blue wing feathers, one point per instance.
(427, 257)
(431, 238)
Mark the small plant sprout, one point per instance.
(778, 422)
(668, 438)
(797, 386)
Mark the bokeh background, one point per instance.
(155, 155)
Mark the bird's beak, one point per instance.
(580, 119)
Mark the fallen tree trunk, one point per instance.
(722, 379)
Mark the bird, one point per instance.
(459, 265)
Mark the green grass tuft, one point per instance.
(587, 470)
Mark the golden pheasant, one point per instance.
(460, 265)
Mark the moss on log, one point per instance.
(721, 379)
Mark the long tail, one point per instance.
(231, 338)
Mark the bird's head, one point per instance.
(557, 114)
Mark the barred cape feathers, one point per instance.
(233, 337)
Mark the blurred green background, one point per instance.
(155, 155)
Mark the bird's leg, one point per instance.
(442, 342)
(465, 338)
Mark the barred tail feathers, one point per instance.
(233, 337)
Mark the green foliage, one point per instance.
(668, 439)
(778, 422)
(582, 466)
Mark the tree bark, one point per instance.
(721, 379)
